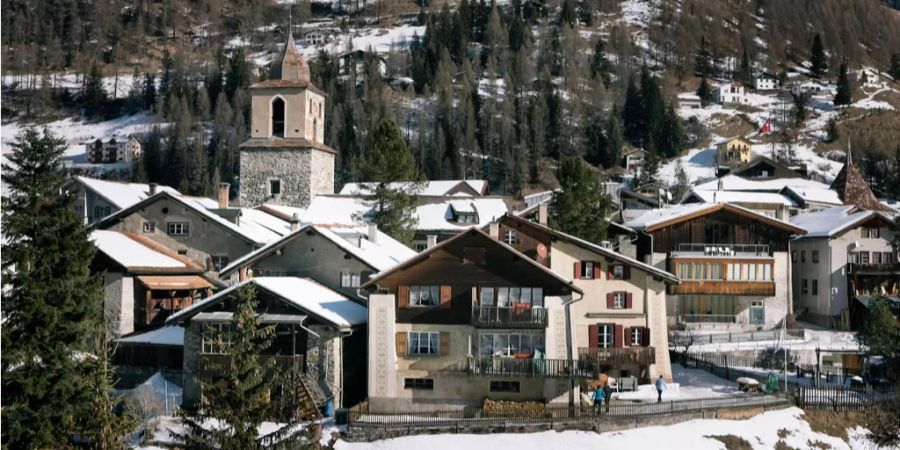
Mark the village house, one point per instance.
(734, 152)
(763, 168)
(342, 259)
(633, 204)
(811, 88)
(96, 199)
(730, 93)
(633, 161)
(316, 37)
(847, 255)
(771, 204)
(766, 81)
(115, 149)
(733, 264)
(320, 338)
(807, 195)
(620, 322)
(688, 100)
(468, 319)
(355, 62)
(430, 188)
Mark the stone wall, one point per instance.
(292, 166)
(323, 364)
(118, 303)
(191, 366)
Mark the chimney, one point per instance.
(542, 213)
(223, 195)
(430, 240)
(152, 188)
(373, 233)
(295, 222)
(494, 230)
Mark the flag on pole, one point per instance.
(766, 127)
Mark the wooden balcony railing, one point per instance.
(708, 287)
(529, 367)
(707, 318)
(210, 365)
(509, 317)
(874, 268)
(616, 356)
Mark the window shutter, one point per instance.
(593, 336)
(609, 300)
(598, 271)
(402, 343)
(403, 296)
(645, 339)
(577, 274)
(446, 291)
(628, 300)
(444, 343)
(617, 337)
(609, 272)
(627, 334)
(626, 273)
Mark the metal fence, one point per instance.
(717, 338)
(841, 399)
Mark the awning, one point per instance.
(174, 282)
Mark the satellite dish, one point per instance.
(541, 250)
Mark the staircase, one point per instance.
(306, 406)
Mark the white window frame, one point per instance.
(415, 297)
(218, 263)
(149, 226)
(509, 237)
(217, 346)
(618, 272)
(178, 228)
(606, 335)
(637, 335)
(350, 279)
(620, 299)
(423, 343)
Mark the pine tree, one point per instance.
(599, 64)
(831, 131)
(94, 93)
(654, 110)
(614, 138)
(51, 300)
(633, 114)
(197, 169)
(595, 141)
(895, 67)
(148, 94)
(682, 182)
(579, 207)
(703, 59)
(844, 93)
(745, 73)
(568, 15)
(800, 101)
(817, 59)
(704, 91)
(240, 399)
(106, 428)
(388, 160)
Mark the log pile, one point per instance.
(506, 408)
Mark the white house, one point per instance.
(688, 100)
(634, 160)
(813, 88)
(115, 149)
(315, 37)
(766, 82)
(730, 93)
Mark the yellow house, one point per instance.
(734, 151)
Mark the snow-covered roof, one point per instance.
(120, 193)
(302, 293)
(385, 252)
(264, 227)
(285, 212)
(428, 188)
(741, 197)
(132, 254)
(167, 335)
(832, 221)
(344, 210)
(736, 183)
(816, 195)
(664, 216)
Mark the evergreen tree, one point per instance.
(800, 101)
(682, 182)
(844, 93)
(568, 15)
(703, 59)
(817, 59)
(614, 138)
(654, 110)
(633, 114)
(595, 141)
(880, 336)
(51, 301)
(579, 207)
(94, 93)
(238, 76)
(745, 73)
(895, 67)
(105, 427)
(388, 160)
(669, 137)
(831, 131)
(197, 169)
(149, 90)
(240, 398)
(599, 64)
(704, 91)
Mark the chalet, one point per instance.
(96, 199)
(342, 259)
(730, 94)
(808, 195)
(115, 149)
(771, 204)
(734, 151)
(468, 319)
(356, 62)
(620, 322)
(766, 81)
(315, 37)
(633, 161)
(846, 254)
(432, 188)
(320, 338)
(689, 101)
(812, 88)
(732, 262)
(762, 168)
(437, 217)
(633, 204)
(143, 282)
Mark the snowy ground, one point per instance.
(687, 384)
(826, 340)
(761, 432)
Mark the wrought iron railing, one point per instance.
(615, 356)
(529, 367)
(874, 268)
(722, 250)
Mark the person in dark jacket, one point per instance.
(598, 398)
(607, 394)
(660, 386)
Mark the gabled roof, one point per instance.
(835, 221)
(733, 182)
(738, 138)
(587, 245)
(119, 193)
(303, 294)
(427, 188)
(664, 217)
(140, 255)
(643, 198)
(381, 254)
(476, 233)
(853, 189)
(738, 197)
(779, 170)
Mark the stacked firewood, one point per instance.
(506, 408)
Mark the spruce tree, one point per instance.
(148, 94)
(831, 131)
(94, 93)
(579, 206)
(614, 138)
(51, 301)
(895, 67)
(844, 93)
(704, 91)
(388, 160)
(595, 141)
(817, 59)
(239, 399)
(599, 64)
(800, 101)
(703, 59)
(745, 73)
(633, 114)
(105, 427)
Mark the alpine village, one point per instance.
(445, 224)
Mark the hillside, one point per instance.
(500, 91)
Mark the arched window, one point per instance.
(278, 117)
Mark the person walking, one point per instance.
(660, 387)
(598, 398)
(607, 394)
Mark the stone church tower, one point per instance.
(285, 161)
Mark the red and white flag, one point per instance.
(766, 127)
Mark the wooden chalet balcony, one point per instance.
(616, 356)
(707, 318)
(509, 317)
(529, 367)
(690, 287)
(875, 269)
(712, 250)
(210, 365)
